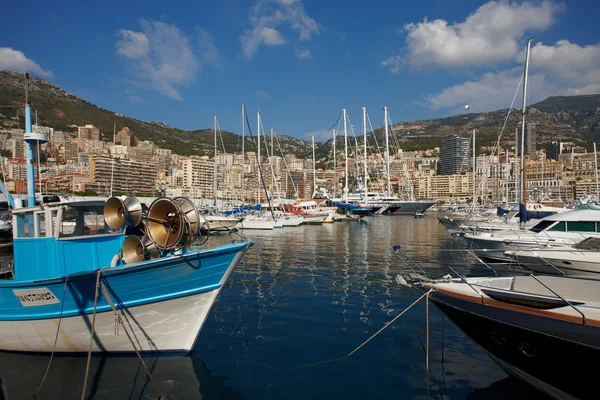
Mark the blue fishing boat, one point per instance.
(107, 276)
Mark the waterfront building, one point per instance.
(127, 176)
(455, 155)
(447, 188)
(199, 173)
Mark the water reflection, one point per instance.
(314, 293)
(300, 296)
(111, 378)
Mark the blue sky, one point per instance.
(301, 62)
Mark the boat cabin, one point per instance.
(58, 239)
(584, 221)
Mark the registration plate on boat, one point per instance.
(36, 297)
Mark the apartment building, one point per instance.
(455, 155)
(131, 177)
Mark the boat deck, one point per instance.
(524, 292)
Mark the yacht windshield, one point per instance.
(542, 226)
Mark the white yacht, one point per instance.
(489, 220)
(581, 259)
(563, 229)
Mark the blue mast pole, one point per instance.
(30, 171)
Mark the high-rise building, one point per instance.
(199, 174)
(553, 149)
(131, 177)
(455, 155)
(530, 138)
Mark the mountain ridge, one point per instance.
(566, 117)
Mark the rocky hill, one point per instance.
(565, 117)
(60, 109)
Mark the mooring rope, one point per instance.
(120, 321)
(375, 334)
(62, 306)
(92, 333)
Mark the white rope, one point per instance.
(369, 339)
(92, 333)
(55, 337)
(120, 321)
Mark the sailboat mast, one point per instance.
(596, 168)
(366, 185)
(271, 161)
(334, 166)
(243, 156)
(387, 151)
(474, 171)
(258, 135)
(314, 168)
(346, 155)
(215, 170)
(522, 188)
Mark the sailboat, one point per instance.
(531, 326)
(79, 279)
(386, 203)
(257, 220)
(218, 221)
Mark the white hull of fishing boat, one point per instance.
(171, 325)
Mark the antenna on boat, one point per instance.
(31, 139)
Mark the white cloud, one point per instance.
(490, 92)
(266, 16)
(15, 60)
(164, 58)
(563, 69)
(488, 36)
(568, 67)
(302, 54)
(262, 93)
(133, 44)
(393, 63)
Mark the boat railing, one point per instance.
(411, 263)
(560, 297)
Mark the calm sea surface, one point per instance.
(302, 296)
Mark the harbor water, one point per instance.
(300, 298)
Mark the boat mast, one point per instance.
(271, 161)
(474, 172)
(366, 185)
(334, 165)
(596, 168)
(28, 131)
(112, 160)
(387, 151)
(243, 157)
(346, 155)
(258, 135)
(314, 169)
(215, 170)
(522, 188)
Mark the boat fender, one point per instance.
(113, 263)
